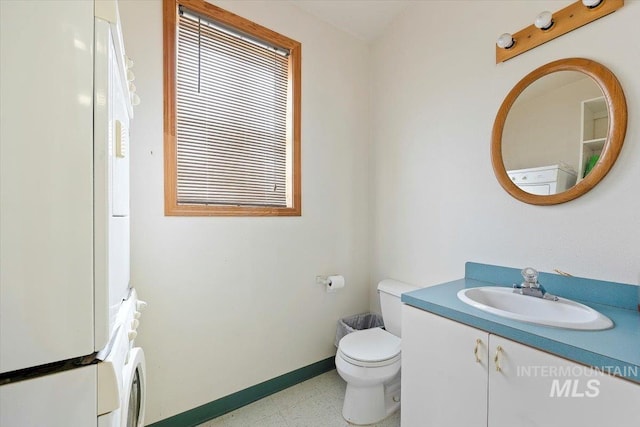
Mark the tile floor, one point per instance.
(314, 403)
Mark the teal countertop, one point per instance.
(615, 350)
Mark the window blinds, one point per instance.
(231, 111)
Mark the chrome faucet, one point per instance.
(531, 287)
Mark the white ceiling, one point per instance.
(364, 19)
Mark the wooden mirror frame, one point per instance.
(617, 108)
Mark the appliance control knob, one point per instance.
(141, 305)
(135, 323)
(135, 99)
(130, 76)
(132, 87)
(129, 62)
(136, 314)
(132, 335)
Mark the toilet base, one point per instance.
(371, 404)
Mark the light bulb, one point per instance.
(506, 41)
(591, 3)
(544, 21)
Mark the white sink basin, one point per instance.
(563, 313)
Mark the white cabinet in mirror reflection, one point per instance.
(544, 180)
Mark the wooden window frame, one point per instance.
(171, 206)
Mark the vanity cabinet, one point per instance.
(455, 375)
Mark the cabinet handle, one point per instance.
(496, 358)
(475, 350)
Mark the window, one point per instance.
(232, 114)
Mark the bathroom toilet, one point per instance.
(369, 361)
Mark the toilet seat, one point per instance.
(370, 348)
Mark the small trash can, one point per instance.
(357, 322)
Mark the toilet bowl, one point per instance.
(369, 362)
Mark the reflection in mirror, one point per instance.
(540, 149)
(555, 129)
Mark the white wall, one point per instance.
(436, 202)
(233, 301)
(546, 129)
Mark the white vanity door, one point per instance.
(534, 388)
(442, 383)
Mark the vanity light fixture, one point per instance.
(553, 25)
(591, 4)
(544, 21)
(506, 41)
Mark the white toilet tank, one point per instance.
(389, 291)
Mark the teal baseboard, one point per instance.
(214, 409)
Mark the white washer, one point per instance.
(126, 364)
(134, 388)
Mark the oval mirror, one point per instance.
(559, 131)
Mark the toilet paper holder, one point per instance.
(332, 282)
(322, 280)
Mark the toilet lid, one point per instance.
(370, 345)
